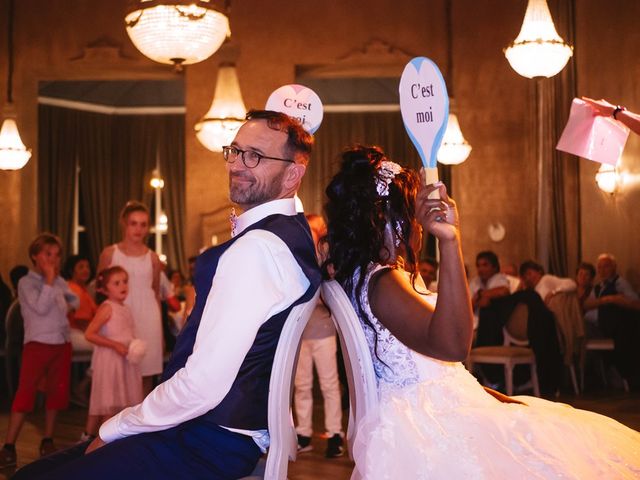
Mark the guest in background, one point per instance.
(585, 275)
(545, 285)
(318, 347)
(618, 112)
(117, 382)
(429, 272)
(488, 285)
(617, 307)
(143, 266)
(77, 272)
(45, 300)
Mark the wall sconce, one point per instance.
(178, 32)
(227, 113)
(538, 51)
(608, 179)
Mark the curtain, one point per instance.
(116, 155)
(339, 130)
(558, 218)
(57, 155)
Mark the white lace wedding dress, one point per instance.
(435, 421)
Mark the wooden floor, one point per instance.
(312, 465)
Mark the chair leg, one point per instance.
(508, 378)
(574, 381)
(534, 380)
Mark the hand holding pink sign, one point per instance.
(424, 104)
(299, 102)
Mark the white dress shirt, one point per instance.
(257, 277)
(552, 284)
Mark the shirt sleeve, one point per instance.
(39, 297)
(498, 280)
(256, 278)
(625, 288)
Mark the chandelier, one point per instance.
(179, 32)
(13, 153)
(538, 51)
(454, 149)
(227, 113)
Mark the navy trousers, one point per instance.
(192, 450)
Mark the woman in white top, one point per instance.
(143, 267)
(434, 420)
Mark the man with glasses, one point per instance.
(208, 418)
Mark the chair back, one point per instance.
(284, 443)
(515, 329)
(363, 390)
(14, 328)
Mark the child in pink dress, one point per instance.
(116, 378)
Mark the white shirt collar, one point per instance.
(283, 206)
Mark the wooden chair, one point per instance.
(598, 345)
(283, 440)
(363, 392)
(14, 328)
(513, 352)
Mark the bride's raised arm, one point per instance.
(446, 332)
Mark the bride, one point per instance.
(434, 419)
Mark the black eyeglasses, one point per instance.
(250, 158)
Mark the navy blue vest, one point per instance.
(245, 406)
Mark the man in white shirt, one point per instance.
(615, 306)
(208, 418)
(487, 286)
(546, 285)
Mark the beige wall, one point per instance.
(496, 184)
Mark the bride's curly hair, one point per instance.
(357, 216)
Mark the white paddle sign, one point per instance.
(424, 104)
(299, 102)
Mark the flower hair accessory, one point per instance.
(386, 172)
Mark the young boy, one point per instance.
(45, 300)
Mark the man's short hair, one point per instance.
(531, 265)
(299, 141)
(607, 256)
(38, 244)
(588, 267)
(490, 257)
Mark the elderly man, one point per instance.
(615, 307)
(208, 418)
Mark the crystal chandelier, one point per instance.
(455, 149)
(538, 51)
(178, 32)
(13, 154)
(227, 113)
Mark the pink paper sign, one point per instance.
(299, 102)
(424, 104)
(591, 136)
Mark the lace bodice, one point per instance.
(393, 362)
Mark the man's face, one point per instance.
(249, 187)
(584, 278)
(485, 269)
(606, 268)
(427, 272)
(531, 278)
